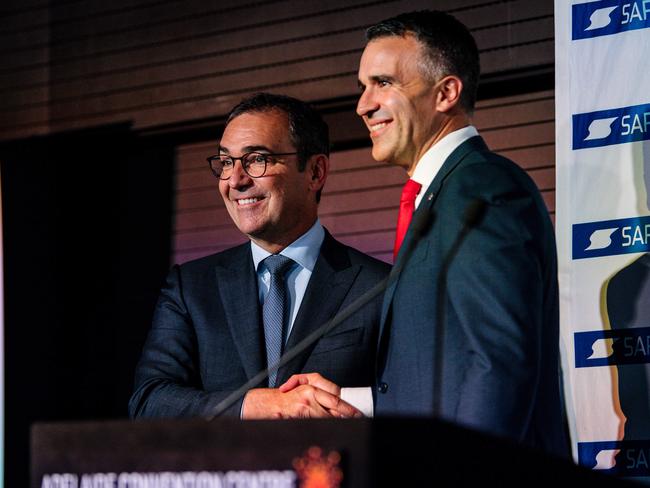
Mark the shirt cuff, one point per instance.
(360, 398)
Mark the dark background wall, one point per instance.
(107, 112)
(86, 221)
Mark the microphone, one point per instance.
(472, 218)
(419, 225)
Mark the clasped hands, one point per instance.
(306, 395)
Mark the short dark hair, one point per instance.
(308, 131)
(450, 48)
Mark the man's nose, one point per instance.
(367, 103)
(239, 177)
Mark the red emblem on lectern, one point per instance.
(317, 471)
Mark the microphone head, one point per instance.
(474, 213)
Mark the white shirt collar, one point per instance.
(430, 163)
(304, 250)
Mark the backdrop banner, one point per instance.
(602, 90)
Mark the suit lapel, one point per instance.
(330, 282)
(237, 284)
(426, 205)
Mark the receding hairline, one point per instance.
(424, 59)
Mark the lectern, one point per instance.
(286, 453)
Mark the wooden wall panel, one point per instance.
(78, 64)
(16, 17)
(359, 204)
(154, 63)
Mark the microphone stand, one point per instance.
(474, 213)
(419, 225)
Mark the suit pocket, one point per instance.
(339, 340)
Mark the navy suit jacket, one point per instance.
(207, 339)
(500, 364)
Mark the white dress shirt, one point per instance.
(304, 252)
(432, 160)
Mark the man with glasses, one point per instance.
(223, 318)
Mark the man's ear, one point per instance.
(448, 97)
(318, 167)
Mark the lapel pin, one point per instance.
(430, 196)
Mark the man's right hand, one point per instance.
(313, 379)
(304, 401)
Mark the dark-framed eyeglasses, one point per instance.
(254, 163)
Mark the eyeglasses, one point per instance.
(254, 164)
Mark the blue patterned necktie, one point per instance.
(274, 311)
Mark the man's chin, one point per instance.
(383, 157)
(248, 228)
(378, 154)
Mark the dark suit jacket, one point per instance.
(500, 363)
(207, 339)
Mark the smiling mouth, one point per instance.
(376, 128)
(247, 201)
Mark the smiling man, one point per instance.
(223, 318)
(470, 333)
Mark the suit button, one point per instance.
(383, 387)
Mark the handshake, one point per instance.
(307, 395)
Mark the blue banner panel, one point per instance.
(611, 237)
(623, 458)
(611, 126)
(607, 17)
(612, 347)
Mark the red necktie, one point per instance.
(406, 208)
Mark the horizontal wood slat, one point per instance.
(259, 26)
(80, 64)
(158, 66)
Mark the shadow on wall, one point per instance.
(628, 307)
